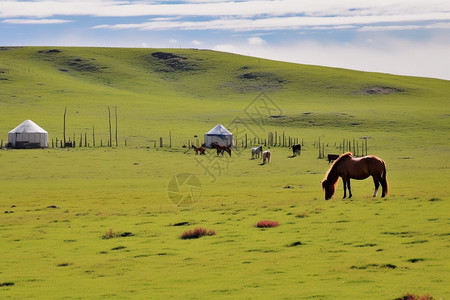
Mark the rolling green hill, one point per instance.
(99, 223)
(189, 91)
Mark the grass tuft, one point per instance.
(267, 224)
(196, 233)
(410, 296)
(302, 215)
(110, 234)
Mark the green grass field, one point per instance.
(62, 202)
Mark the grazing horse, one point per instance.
(332, 157)
(266, 156)
(296, 149)
(199, 149)
(346, 167)
(220, 149)
(256, 152)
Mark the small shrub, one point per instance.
(110, 234)
(267, 224)
(411, 296)
(302, 215)
(196, 233)
(7, 284)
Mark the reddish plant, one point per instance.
(267, 223)
(109, 235)
(196, 233)
(411, 296)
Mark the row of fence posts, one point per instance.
(273, 140)
(347, 145)
(72, 143)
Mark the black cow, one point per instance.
(332, 157)
(296, 149)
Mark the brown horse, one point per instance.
(220, 149)
(266, 156)
(346, 167)
(199, 149)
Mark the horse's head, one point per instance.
(329, 188)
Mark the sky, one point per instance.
(404, 37)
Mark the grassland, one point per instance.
(64, 201)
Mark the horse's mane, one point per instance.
(335, 164)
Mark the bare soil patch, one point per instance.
(169, 62)
(50, 51)
(380, 90)
(85, 65)
(254, 81)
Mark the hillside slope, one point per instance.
(189, 91)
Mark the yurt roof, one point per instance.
(219, 130)
(28, 126)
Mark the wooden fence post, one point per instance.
(93, 136)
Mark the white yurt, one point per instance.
(221, 135)
(28, 135)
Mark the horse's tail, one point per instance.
(384, 183)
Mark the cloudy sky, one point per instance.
(406, 37)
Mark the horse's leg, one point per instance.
(377, 185)
(349, 189)
(345, 188)
(384, 187)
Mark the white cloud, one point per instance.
(405, 27)
(35, 21)
(257, 41)
(247, 15)
(281, 23)
(196, 43)
(252, 8)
